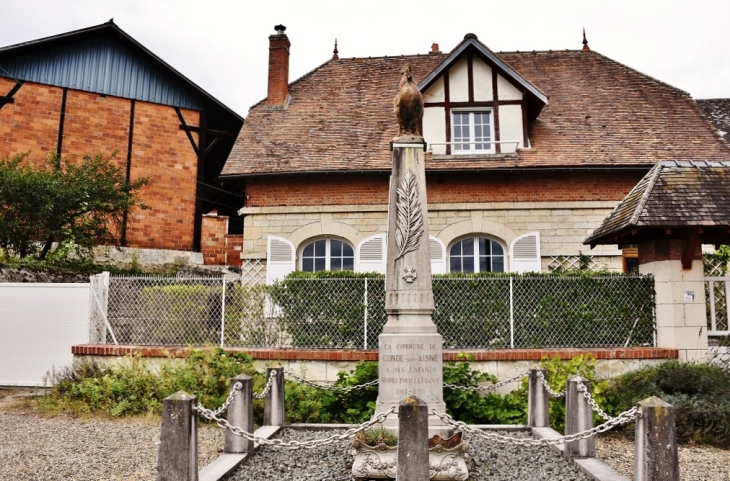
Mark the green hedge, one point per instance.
(327, 309)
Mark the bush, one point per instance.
(327, 309)
(700, 394)
(130, 387)
(74, 205)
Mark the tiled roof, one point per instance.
(600, 114)
(718, 111)
(673, 194)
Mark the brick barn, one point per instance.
(527, 152)
(97, 90)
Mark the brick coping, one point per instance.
(372, 354)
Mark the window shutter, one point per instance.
(524, 253)
(370, 254)
(438, 255)
(279, 259)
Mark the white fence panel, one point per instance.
(40, 323)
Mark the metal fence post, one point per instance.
(178, 455)
(274, 402)
(412, 440)
(366, 315)
(578, 418)
(655, 445)
(240, 414)
(538, 409)
(223, 310)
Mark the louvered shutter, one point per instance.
(438, 255)
(279, 259)
(370, 254)
(524, 253)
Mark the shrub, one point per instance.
(700, 394)
(327, 309)
(130, 387)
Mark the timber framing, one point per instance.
(8, 98)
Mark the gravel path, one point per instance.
(37, 448)
(491, 462)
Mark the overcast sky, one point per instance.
(223, 45)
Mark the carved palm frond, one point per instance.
(409, 225)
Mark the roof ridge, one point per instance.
(645, 196)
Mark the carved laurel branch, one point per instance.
(409, 225)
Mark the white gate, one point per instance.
(40, 324)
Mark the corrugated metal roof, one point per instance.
(101, 65)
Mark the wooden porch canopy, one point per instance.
(687, 200)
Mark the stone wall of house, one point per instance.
(562, 225)
(96, 123)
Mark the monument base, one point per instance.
(410, 364)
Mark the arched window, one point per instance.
(476, 254)
(328, 254)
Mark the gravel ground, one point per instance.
(491, 462)
(38, 448)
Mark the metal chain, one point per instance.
(280, 443)
(547, 386)
(489, 387)
(583, 389)
(236, 387)
(622, 418)
(267, 388)
(327, 387)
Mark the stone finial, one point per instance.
(586, 48)
(335, 52)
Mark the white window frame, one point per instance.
(458, 149)
(477, 254)
(327, 254)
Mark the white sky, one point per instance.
(222, 45)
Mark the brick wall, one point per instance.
(96, 123)
(213, 239)
(234, 247)
(442, 188)
(31, 122)
(162, 153)
(666, 250)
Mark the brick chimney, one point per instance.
(278, 67)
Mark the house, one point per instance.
(97, 90)
(527, 152)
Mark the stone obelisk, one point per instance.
(410, 348)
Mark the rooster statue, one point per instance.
(408, 105)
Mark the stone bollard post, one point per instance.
(240, 414)
(655, 446)
(178, 455)
(578, 418)
(412, 440)
(274, 402)
(538, 409)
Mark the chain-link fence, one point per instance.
(470, 312)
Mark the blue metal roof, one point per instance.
(100, 64)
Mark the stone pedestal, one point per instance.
(410, 348)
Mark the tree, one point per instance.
(64, 205)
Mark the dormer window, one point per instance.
(471, 131)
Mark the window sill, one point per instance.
(482, 156)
